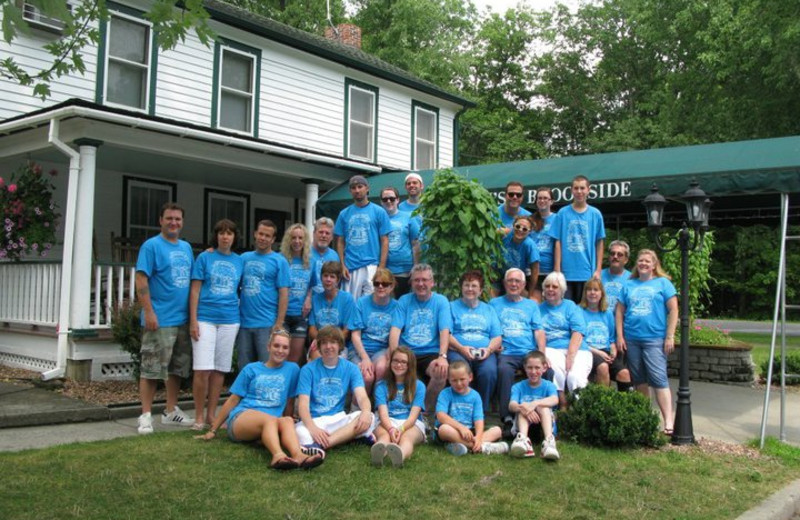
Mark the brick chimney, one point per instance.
(349, 34)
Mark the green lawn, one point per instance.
(171, 475)
(761, 344)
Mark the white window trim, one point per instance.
(351, 122)
(240, 93)
(417, 138)
(148, 54)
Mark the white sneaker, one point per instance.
(494, 448)
(377, 453)
(518, 447)
(549, 450)
(456, 448)
(145, 424)
(395, 454)
(175, 418)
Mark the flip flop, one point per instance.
(312, 462)
(284, 464)
(667, 432)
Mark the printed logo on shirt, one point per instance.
(254, 273)
(577, 236)
(327, 316)
(358, 230)
(378, 326)
(461, 412)
(180, 269)
(555, 325)
(513, 256)
(420, 328)
(299, 279)
(268, 390)
(396, 236)
(223, 278)
(613, 290)
(514, 323)
(642, 301)
(330, 393)
(597, 335)
(473, 326)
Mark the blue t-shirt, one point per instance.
(474, 327)
(613, 285)
(168, 268)
(508, 220)
(407, 206)
(327, 387)
(578, 233)
(265, 389)
(374, 321)
(405, 230)
(464, 408)
(421, 322)
(263, 275)
(362, 229)
(544, 244)
(219, 295)
(560, 322)
(600, 329)
(398, 408)
(520, 255)
(316, 260)
(338, 312)
(646, 307)
(299, 279)
(522, 392)
(519, 320)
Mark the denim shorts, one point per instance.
(647, 362)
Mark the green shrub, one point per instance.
(127, 331)
(792, 367)
(602, 416)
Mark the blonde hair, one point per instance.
(286, 244)
(658, 271)
(602, 305)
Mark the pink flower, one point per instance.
(698, 327)
(12, 188)
(2, 182)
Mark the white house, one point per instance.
(251, 127)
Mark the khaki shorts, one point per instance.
(166, 351)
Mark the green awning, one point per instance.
(734, 169)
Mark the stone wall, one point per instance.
(730, 364)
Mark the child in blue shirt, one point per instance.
(532, 401)
(459, 417)
(399, 400)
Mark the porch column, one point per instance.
(84, 231)
(312, 194)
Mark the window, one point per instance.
(236, 81)
(231, 205)
(126, 60)
(425, 141)
(142, 204)
(361, 122)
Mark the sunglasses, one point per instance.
(514, 194)
(521, 228)
(388, 199)
(381, 284)
(616, 253)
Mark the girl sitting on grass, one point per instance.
(399, 399)
(261, 404)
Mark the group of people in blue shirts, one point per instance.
(335, 310)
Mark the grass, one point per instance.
(761, 344)
(171, 475)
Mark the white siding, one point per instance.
(184, 82)
(446, 139)
(394, 129)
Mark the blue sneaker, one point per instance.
(456, 448)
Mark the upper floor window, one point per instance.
(126, 60)
(425, 141)
(236, 81)
(361, 122)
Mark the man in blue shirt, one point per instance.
(414, 187)
(363, 229)
(512, 206)
(422, 322)
(321, 252)
(264, 296)
(615, 275)
(163, 276)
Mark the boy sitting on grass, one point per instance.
(532, 400)
(459, 417)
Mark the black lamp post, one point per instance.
(697, 207)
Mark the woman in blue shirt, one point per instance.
(647, 314)
(296, 248)
(261, 404)
(213, 319)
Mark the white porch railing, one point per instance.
(29, 292)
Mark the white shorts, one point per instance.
(214, 349)
(331, 423)
(360, 282)
(418, 424)
(576, 378)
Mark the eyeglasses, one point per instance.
(381, 284)
(388, 199)
(616, 253)
(514, 194)
(521, 228)
(399, 362)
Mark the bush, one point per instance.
(602, 416)
(127, 331)
(792, 367)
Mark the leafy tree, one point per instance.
(307, 15)
(170, 25)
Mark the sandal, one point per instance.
(284, 464)
(667, 432)
(312, 462)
